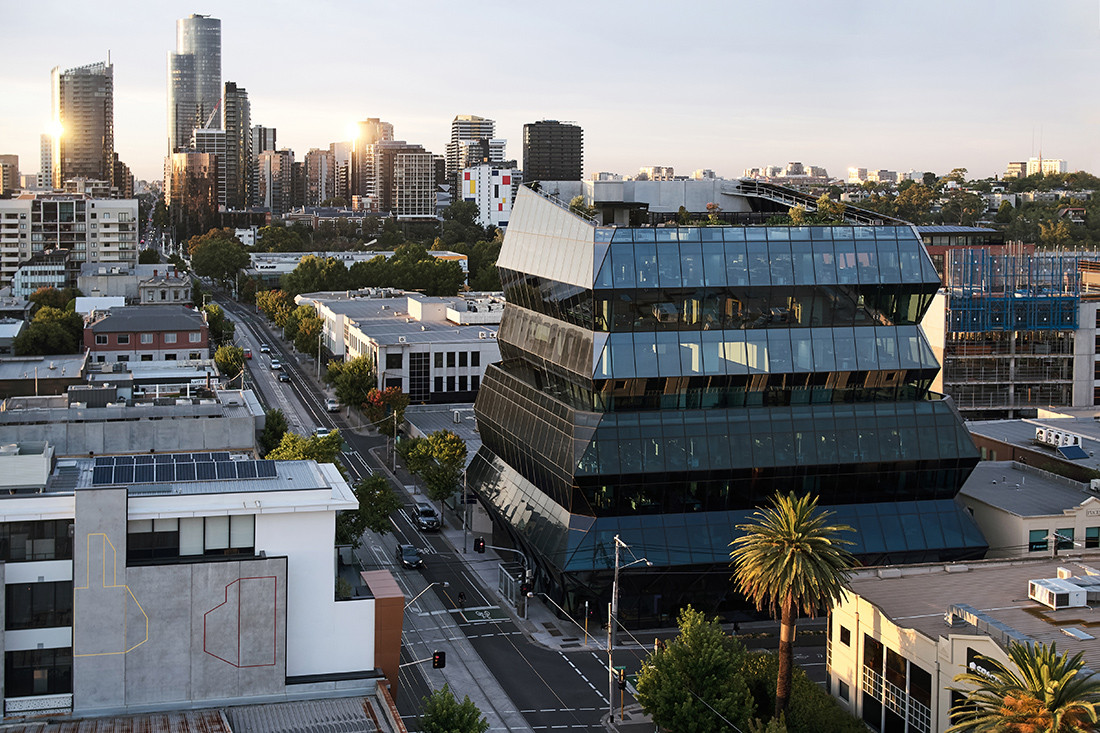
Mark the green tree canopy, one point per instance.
(443, 713)
(694, 682)
(377, 501)
(962, 208)
(306, 339)
(221, 328)
(278, 239)
(294, 320)
(320, 448)
(51, 331)
(275, 304)
(53, 298)
(1037, 690)
(314, 274)
(230, 360)
(218, 255)
(148, 256)
(440, 459)
(791, 560)
(275, 426)
(352, 380)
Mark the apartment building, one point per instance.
(140, 582)
(89, 229)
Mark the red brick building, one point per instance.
(148, 333)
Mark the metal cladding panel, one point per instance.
(558, 346)
(547, 240)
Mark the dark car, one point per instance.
(426, 517)
(284, 377)
(409, 556)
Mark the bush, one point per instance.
(811, 709)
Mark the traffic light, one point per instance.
(439, 660)
(479, 545)
(525, 588)
(622, 678)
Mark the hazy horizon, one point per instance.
(721, 86)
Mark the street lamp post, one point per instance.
(612, 620)
(319, 335)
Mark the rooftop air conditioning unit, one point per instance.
(401, 339)
(492, 334)
(481, 334)
(457, 417)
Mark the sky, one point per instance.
(722, 85)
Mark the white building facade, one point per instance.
(491, 189)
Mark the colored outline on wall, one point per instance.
(274, 622)
(114, 584)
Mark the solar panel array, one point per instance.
(174, 467)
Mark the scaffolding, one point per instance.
(990, 291)
(1011, 323)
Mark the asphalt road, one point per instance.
(518, 684)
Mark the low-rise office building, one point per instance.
(148, 333)
(99, 420)
(1026, 511)
(901, 634)
(43, 270)
(144, 582)
(434, 349)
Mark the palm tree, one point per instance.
(1039, 691)
(791, 560)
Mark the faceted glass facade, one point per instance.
(661, 383)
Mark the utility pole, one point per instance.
(613, 612)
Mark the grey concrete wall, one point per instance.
(139, 436)
(107, 620)
(169, 634)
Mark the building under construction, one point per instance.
(1018, 331)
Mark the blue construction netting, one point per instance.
(1011, 292)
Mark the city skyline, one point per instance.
(724, 87)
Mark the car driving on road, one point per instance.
(265, 349)
(284, 377)
(426, 517)
(332, 405)
(276, 365)
(408, 556)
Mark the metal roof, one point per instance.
(339, 715)
(917, 596)
(1022, 490)
(1022, 433)
(190, 721)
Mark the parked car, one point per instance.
(409, 557)
(332, 405)
(265, 349)
(284, 377)
(276, 365)
(426, 517)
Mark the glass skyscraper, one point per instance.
(194, 78)
(660, 383)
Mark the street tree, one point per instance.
(694, 682)
(218, 255)
(790, 560)
(440, 458)
(914, 203)
(962, 208)
(352, 380)
(382, 404)
(43, 339)
(306, 339)
(320, 448)
(221, 328)
(275, 426)
(230, 360)
(443, 713)
(149, 257)
(829, 211)
(1039, 689)
(377, 501)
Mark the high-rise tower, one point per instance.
(238, 146)
(469, 128)
(194, 78)
(84, 114)
(552, 151)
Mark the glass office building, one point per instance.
(659, 383)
